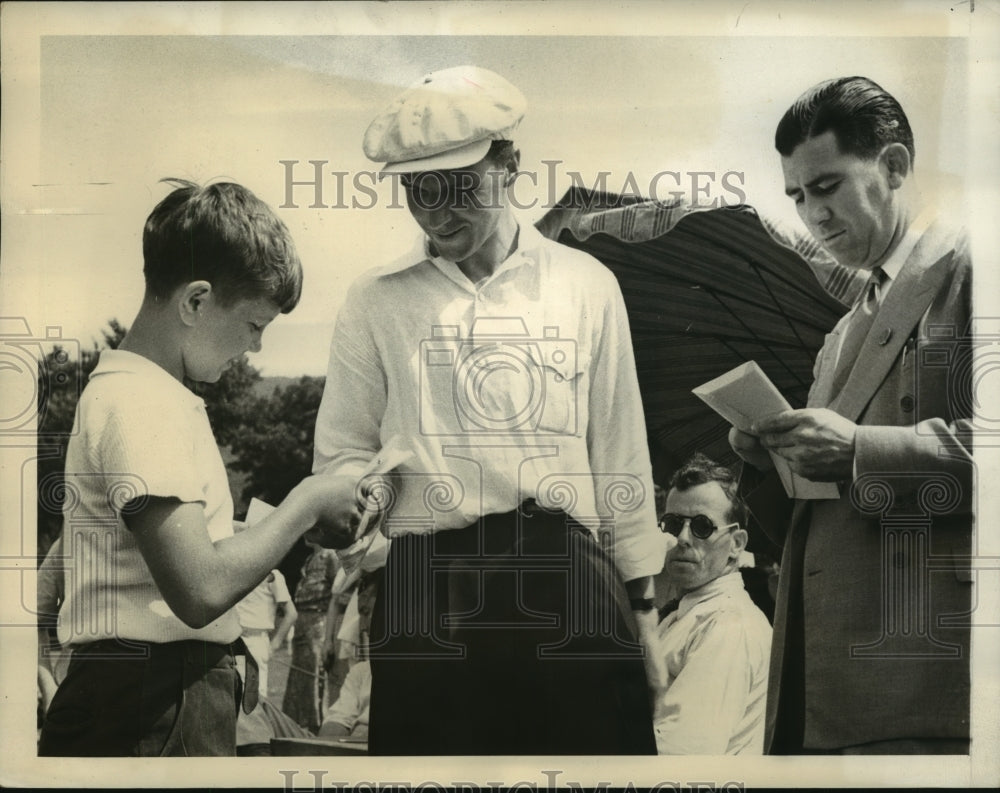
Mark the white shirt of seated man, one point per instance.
(710, 664)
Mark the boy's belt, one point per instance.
(251, 689)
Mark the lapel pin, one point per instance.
(886, 335)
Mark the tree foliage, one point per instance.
(274, 446)
(231, 401)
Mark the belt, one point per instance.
(527, 530)
(251, 686)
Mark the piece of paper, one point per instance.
(745, 394)
(388, 459)
(257, 511)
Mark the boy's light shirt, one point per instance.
(141, 432)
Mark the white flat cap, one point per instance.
(447, 119)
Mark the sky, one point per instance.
(118, 113)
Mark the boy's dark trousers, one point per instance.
(140, 699)
(509, 637)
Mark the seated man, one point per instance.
(348, 716)
(709, 676)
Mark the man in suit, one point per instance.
(871, 634)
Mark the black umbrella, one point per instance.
(706, 289)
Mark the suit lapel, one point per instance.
(819, 394)
(919, 281)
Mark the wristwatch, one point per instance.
(641, 604)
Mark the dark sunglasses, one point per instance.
(701, 526)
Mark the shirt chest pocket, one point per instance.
(562, 367)
(520, 386)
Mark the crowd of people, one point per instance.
(500, 600)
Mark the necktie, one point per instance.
(857, 329)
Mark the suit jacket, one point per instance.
(871, 630)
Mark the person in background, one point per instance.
(709, 670)
(266, 616)
(348, 716)
(303, 699)
(337, 655)
(348, 627)
(53, 660)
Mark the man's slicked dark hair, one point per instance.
(220, 233)
(700, 470)
(863, 116)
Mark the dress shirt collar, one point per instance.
(898, 257)
(123, 361)
(730, 583)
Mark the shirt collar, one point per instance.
(529, 240)
(906, 245)
(729, 583)
(123, 361)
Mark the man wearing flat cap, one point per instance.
(522, 523)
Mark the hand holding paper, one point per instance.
(818, 442)
(376, 486)
(750, 449)
(744, 396)
(336, 507)
(348, 510)
(326, 533)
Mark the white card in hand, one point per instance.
(257, 511)
(745, 394)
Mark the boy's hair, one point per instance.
(863, 116)
(700, 470)
(220, 233)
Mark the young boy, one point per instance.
(153, 567)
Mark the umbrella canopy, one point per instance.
(706, 290)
